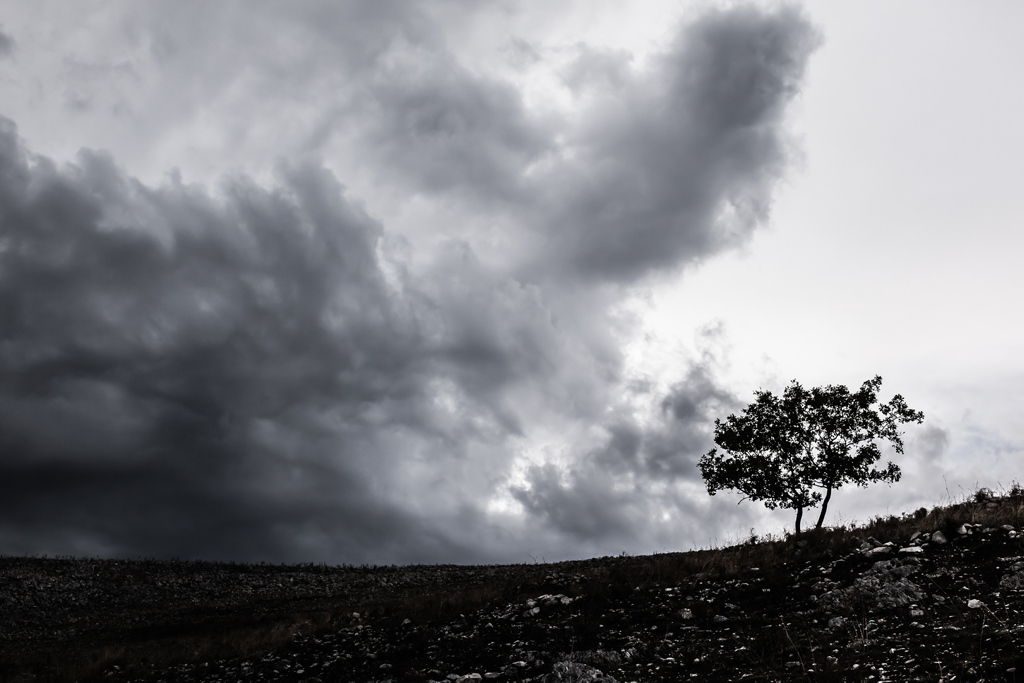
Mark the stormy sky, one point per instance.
(452, 281)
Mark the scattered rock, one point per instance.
(576, 672)
(870, 542)
(1012, 581)
(884, 585)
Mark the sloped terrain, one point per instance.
(891, 601)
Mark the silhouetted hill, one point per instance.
(891, 600)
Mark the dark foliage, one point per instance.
(782, 450)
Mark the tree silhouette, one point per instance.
(781, 450)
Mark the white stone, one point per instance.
(975, 604)
(913, 549)
(939, 537)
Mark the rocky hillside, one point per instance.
(931, 596)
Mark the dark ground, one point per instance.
(768, 611)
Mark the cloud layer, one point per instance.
(264, 371)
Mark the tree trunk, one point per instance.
(799, 514)
(824, 506)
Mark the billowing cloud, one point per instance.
(639, 476)
(6, 45)
(680, 161)
(166, 354)
(270, 370)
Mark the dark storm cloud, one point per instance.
(932, 442)
(582, 504)
(614, 490)
(680, 161)
(689, 411)
(664, 166)
(198, 376)
(6, 45)
(257, 372)
(449, 130)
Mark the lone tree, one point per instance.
(782, 450)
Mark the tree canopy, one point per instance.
(785, 450)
